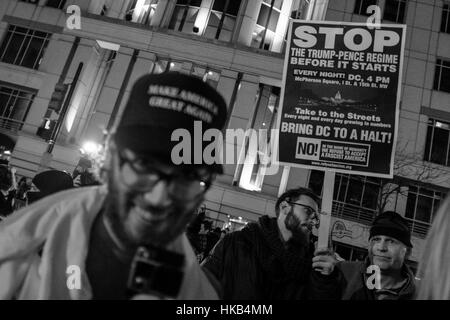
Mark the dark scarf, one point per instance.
(286, 266)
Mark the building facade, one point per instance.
(238, 47)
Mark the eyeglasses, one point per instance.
(141, 174)
(309, 211)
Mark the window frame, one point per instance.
(17, 93)
(440, 66)
(445, 21)
(28, 36)
(398, 7)
(361, 4)
(61, 4)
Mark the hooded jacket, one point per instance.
(355, 280)
(43, 244)
(255, 264)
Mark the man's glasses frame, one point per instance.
(309, 210)
(146, 167)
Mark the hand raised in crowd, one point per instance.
(324, 261)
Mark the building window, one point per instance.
(222, 19)
(445, 20)
(437, 142)
(141, 11)
(355, 197)
(362, 5)
(58, 4)
(253, 168)
(216, 22)
(266, 24)
(348, 252)
(442, 76)
(421, 206)
(14, 106)
(394, 10)
(24, 47)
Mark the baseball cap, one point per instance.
(159, 104)
(393, 225)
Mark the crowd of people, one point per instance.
(140, 234)
(16, 195)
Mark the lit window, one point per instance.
(442, 75)
(141, 11)
(218, 22)
(266, 24)
(394, 10)
(24, 47)
(362, 5)
(437, 142)
(58, 4)
(445, 20)
(14, 106)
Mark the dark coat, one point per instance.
(255, 264)
(355, 279)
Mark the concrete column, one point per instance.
(203, 14)
(319, 10)
(282, 26)
(124, 9)
(248, 22)
(108, 96)
(158, 16)
(167, 10)
(117, 9)
(96, 6)
(226, 85)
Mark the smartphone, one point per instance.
(157, 272)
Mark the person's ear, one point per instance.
(284, 205)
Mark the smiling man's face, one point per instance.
(387, 253)
(142, 212)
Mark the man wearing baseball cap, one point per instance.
(124, 239)
(384, 274)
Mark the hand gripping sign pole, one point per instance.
(325, 215)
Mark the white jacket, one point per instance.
(40, 242)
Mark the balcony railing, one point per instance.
(353, 212)
(10, 124)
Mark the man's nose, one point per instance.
(158, 196)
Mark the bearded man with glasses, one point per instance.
(124, 239)
(275, 259)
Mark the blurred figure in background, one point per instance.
(434, 265)
(7, 189)
(47, 183)
(23, 187)
(84, 175)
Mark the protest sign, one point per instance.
(340, 97)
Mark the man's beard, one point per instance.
(300, 237)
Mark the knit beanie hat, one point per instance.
(393, 225)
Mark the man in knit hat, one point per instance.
(384, 274)
(124, 239)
